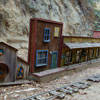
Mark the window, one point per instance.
(78, 56)
(92, 52)
(20, 73)
(46, 35)
(97, 52)
(68, 57)
(1, 52)
(41, 57)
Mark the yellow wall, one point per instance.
(77, 39)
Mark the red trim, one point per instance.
(32, 39)
(29, 45)
(33, 49)
(60, 47)
(46, 20)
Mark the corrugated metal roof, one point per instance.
(81, 45)
(95, 44)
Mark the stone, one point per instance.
(62, 96)
(69, 88)
(31, 99)
(94, 79)
(75, 90)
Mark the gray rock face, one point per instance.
(15, 16)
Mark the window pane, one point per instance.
(44, 61)
(67, 53)
(46, 35)
(39, 61)
(39, 55)
(42, 57)
(44, 54)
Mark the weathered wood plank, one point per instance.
(15, 83)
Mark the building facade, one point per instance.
(79, 49)
(8, 62)
(44, 44)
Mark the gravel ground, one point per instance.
(25, 90)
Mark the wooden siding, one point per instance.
(91, 40)
(9, 59)
(36, 42)
(25, 66)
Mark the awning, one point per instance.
(96, 44)
(81, 45)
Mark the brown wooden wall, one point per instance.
(36, 41)
(51, 46)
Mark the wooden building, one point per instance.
(79, 49)
(96, 34)
(22, 69)
(44, 44)
(8, 61)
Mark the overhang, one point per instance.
(81, 45)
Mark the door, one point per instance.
(54, 59)
(3, 72)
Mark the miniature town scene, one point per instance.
(49, 49)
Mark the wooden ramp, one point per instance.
(48, 75)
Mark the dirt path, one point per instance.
(23, 91)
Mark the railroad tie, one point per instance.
(66, 91)
(39, 98)
(31, 99)
(80, 85)
(58, 94)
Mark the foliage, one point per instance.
(96, 12)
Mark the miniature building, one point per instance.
(22, 69)
(96, 34)
(44, 44)
(8, 59)
(79, 49)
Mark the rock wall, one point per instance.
(77, 16)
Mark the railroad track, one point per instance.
(69, 89)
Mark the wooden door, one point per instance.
(54, 59)
(3, 72)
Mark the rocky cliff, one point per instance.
(77, 16)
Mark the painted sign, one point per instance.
(56, 32)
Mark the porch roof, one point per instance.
(81, 45)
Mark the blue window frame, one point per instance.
(46, 35)
(41, 58)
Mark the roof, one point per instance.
(96, 34)
(46, 20)
(9, 46)
(21, 59)
(81, 45)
